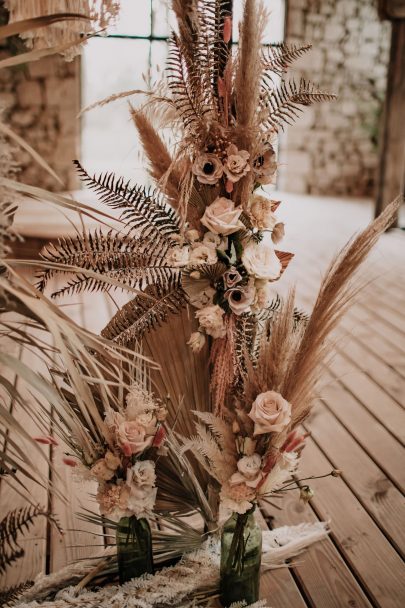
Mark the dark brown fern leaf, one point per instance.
(143, 210)
(186, 87)
(13, 525)
(133, 262)
(144, 313)
(277, 58)
(283, 104)
(10, 595)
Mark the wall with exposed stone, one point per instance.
(333, 148)
(41, 101)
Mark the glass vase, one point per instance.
(241, 554)
(134, 548)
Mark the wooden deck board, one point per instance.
(358, 426)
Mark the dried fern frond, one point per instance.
(16, 523)
(283, 104)
(142, 210)
(190, 104)
(10, 595)
(277, 58)
(132, 261)
(221, 430)
(205, 448)
(142, 314)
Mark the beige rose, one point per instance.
(264, 294)
(249, 466)
(142, 473)
(240, 299)
(236, 164)
(207, 168)
(131, 437)
(112, 461)
(196, 341)
(265, 166)
(192, 235)
(101, 471)
(261, 213)
(270, 412)
(221, 217)
(142, 500)
(178, 256)
(201, 254)
(260, 259)
(278, 233)
(215, 241)
(211, 320)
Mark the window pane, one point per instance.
(134, 18)
(109, 140)
(160, 18)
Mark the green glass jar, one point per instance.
(134, 548)
(241, 555)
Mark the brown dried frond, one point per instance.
(160, 161)
(335, 295)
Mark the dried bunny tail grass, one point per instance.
(161, 164)
(249, 68)
(335, 295)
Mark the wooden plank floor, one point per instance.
(358, 426)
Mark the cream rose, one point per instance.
(207, 168)
(249, 471)
(142, 500)
(236, 164)
(231, 277)
(112, 461)
(264, 294)
(101, 471)
(260, 259)
(202, 254)
(131, 437)
(211, 320)
(221, 217)
(261, 213)
(215, 241)
(142, 473)
(270, 412)
(178, 256)
(278, 233)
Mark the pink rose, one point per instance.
(131, 437)
(236, 165)
(270, 412)
(221, 217)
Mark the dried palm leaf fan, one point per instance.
(100, 12)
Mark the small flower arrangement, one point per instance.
(125, 470)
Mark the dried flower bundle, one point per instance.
(237, 367)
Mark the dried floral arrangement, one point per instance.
(190, 401)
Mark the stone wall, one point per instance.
(42, 100)
(333, 148)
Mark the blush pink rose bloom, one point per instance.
(236, 165)
(131, 437)
(270, 412)
(221, 217)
